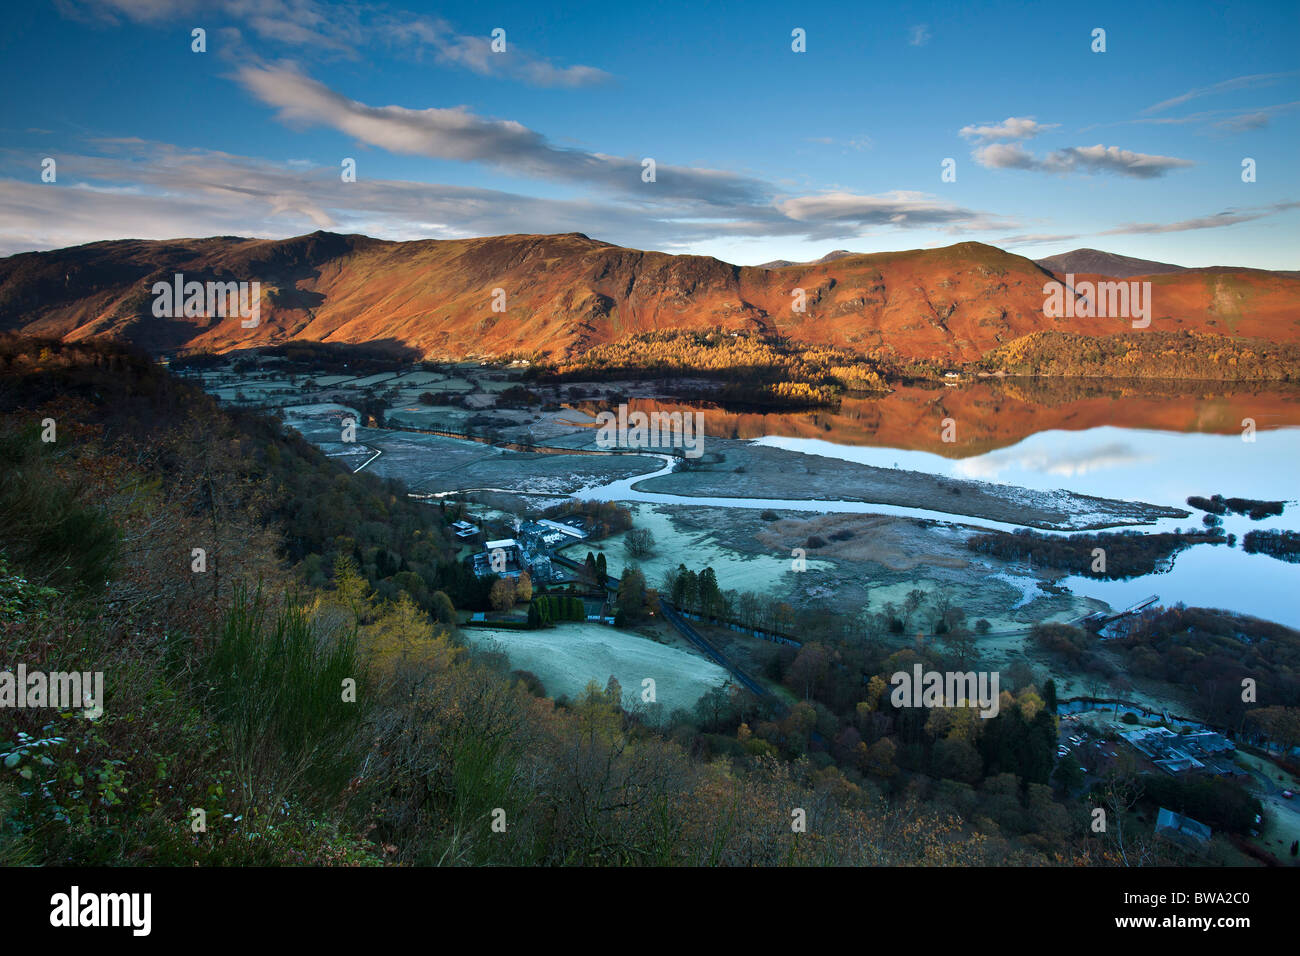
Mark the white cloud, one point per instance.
(149, 190)
(456, 134)
(314, 27)
(1079, 159)
(1013, 127)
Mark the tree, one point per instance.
(1280, 724)
(955, 759)
(1049, 696)
(879, 758)
(809, 670)
(911, 604)
(961, 644)
(590, 570)
(710, 596)
(539, 613)
(443, 611)
(523, 587)
(690, 588)
(502, 595)
(639, 542)
(1069, 774)
(631, 592)
(601, 571)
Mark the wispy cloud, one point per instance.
(1252, 81)
(1223, 120)
(1029, 239)
(151, 190)
(1079, 159)
(1013, 127)
(897, 208)
(314, 27)
(454, 133)
(1229, 217)
(918, 35)
(856, 143)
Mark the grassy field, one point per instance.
(565, 658)
(676, 544)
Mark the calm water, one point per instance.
(1158, 467)
(1161, 467)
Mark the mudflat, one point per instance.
(737, 469)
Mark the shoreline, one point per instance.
(794, 476)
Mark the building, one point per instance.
(1183, 830)
(465, 531)
(514, 556)
(577, 534)
(509, 559)
(1182, 753)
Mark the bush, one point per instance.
(639, 542)
(49, 535)
(278, 693)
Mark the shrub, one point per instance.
(277, 692)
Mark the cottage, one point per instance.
(1183, 830)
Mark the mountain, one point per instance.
(829, 257)
(1096, 262)
(565, 293)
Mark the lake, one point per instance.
(1198, 450)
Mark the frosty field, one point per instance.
(567, 657)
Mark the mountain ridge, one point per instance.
(564, 293)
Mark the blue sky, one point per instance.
(760, 152)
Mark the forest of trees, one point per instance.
(1219, 505)
(1210, 653)
(1146, 354)
(1127, 554)
(755, 369)
(1283, 545)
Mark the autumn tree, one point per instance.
(632, 592)
(502, 595)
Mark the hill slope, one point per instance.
(565, 293)
(1096, 262)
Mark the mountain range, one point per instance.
(560, 294)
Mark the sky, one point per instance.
(747, 131)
